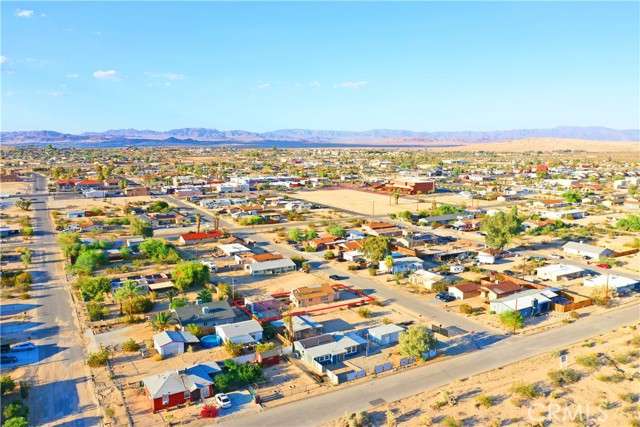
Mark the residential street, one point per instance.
(61, 394)
(320, 409)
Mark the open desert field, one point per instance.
(551, 144)
(362, 202)
(88, 204)
(605, 391)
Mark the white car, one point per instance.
(23, 346)
(556, 256)
(223, 400)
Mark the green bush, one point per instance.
(449, 421)
(130, 345)
(613, 378)
(466, 309)
(373, 271)
(484, 400)
(590, 361)
(15, 410)
(97, 311)
(99, 358)
(139, 305)
(6, 384)
(628, 397)
(364, 312)
(562, 377)
(524, 390)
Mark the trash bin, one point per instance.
(257, 399)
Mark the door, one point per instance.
(204, 392)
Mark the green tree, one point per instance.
(15, 410)
(162, 321)
(632, 190)
(311, 234)
(388, 262)
(500, 228)
(416, 341)
(68, 239)
(138, 227)
(376, 248)
(27, 232)
(24, 204)
(6, 384)
(126, 253)
(16, 422)
(129, 290)
(205, 296)
(572, 196)
(190, 274)
(601, 296)
(296, 235)
(89, 260)
(329, 255)
(159, 250)
(26, 256)
(509, 318)
(90, 287)
(630, 223)
(194, 330)
(336, 230)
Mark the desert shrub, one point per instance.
(466, 309)
(138, 305)
(628, 397)
(484, 400)
(110, 412)
(562, 377)
(634, 422)
(97, 311)
(353, 419)
(130, 345)
(613, 378)
(235, 349)
(635, 340)
(574, 315)
(364, 312)
(622, 358)
(524, 390)
(99, 358)
(449, 421)
(590, 361)
(372, 271)
(157, 357)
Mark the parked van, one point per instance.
(456, 269)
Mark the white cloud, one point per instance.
(315, 83)
(73, 76)
(3, 59)
(54, 93)
(168, 76)
(107, 75)
(24, 13)
(38, 62)
(352, 85)
(264, 85)
(10, 93)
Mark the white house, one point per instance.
(270, 267)
(557, 272)
(170, 343)
(613, 281)
(400, 265)
(245, 332)
(424, 278)
(234, 249)
(590, 251)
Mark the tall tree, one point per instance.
(162, 321)
(129, 290)
(416, 341)
(500, 229)
(138, 227)
(376, 248)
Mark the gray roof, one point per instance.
(268, 265)
(240, 328)
(300, 323)
(337, 345)
(385, 330)
(217, 312)
(583, 247)
(166, 337)
(172, 382)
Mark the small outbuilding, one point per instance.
(268, 358)
(385, 334)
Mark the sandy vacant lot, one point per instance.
(362, 202)
(550, 144)
(88, 204)
(606, 394)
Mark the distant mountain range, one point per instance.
(306, 137)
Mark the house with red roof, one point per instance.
(197, 238)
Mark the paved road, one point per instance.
(61, 394)
(326, 407)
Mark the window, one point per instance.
(324, 358)
(165, 399)
(187, 395)
(325, 298)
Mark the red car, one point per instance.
(605, 266)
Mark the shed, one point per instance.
(268, 358)
(385, 334)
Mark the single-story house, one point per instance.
(245, 332)
(353, 256)
(91, 225)
(329, 348)
(270, 267)
(527, 302)
(412, 239)
(136, 191)
(489, 255)
(616, 282)
(197, 238)
(557, 272)
(303, 327)
(465, 290)
(307, 296)
(134, 242)
(590, 251)
(207, 315)
(234, 249)
(170, 343)
(424, 278)
(400, 265)
(492, 291)
(76, 214)
(382, 229)
(174, 388)
(385, 334)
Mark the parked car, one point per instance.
(537, 258)
(448, 298)
(509, 272)
(5, 359)
(556, 256)
(334, 277)
(605, 266)
(223, 400)
(23, 346)
(144, 353)
(441, 295)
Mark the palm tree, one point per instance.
(162, 321)
(129, 290)
(396, 196)
(205, 296)
(388, 262)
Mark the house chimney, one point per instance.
(205, 310)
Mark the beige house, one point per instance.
(307, 296)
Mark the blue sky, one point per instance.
(422, 66)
